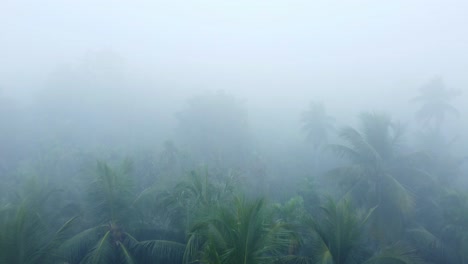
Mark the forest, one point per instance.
(372, 191)
(233, 132)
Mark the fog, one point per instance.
(344, 105)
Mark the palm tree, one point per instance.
(189, 198)
(338, 236)
(435, 101)
(455, 228)
(27, 234)
(441, 232)
(238, 234)
(317, 124)
(113, 207)
(375, 176)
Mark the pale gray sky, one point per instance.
(265, 50)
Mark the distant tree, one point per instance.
(87, 104)
(435, 100)
(442, 231)
(214, 128)
(317, 124)
(11, 134)
(377, 170)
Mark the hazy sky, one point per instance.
(365, 51)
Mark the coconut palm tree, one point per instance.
(435, 101)
(317, 124)
(378, 174)
(339, 237)
(238, 234)
(455, 226)
(191, 197)
(27, 234)
(441, 232)
(114, 213)
(339, 233)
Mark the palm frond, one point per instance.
(102, 251)
(396, 254)
(159, 250)
(74, 249)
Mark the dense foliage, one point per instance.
(211, 196)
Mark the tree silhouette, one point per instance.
(374, 175)
(214, 128)
(435, 100)
(317, 124)
(114, 212)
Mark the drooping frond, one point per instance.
(159, 251)
(395, 254)
(25, 234)
(77, 247)
(376, 175)
(357, 143)
(126, 257)
(423, 237)
(239, 234)
(339, 232)
(111, 192)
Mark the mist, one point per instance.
(154, 121)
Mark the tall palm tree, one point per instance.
(339, 234)
(317, 124)
(114, 210)
(199, 191)
(238, 234)
(455, 229)
(27, 234)
(441, 232)
(376, 173)
(435, 101)
(339, 237)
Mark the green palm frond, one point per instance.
(346, 152)
(111, 192)
(366, 152)
(159, 251)
(397, 253)
(26, 235)
(102, 252)
(397, 194)
(378, 174)
(242, 233)
(425, 238)
(338, 233)
(77, 247)
(125, 255)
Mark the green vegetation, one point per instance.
(211, 196)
